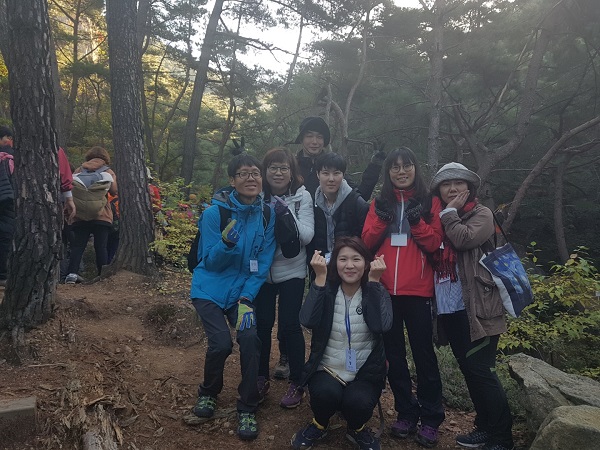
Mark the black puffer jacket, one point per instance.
(6, 185)
(369, 179)
(316, 314)
(349, 221)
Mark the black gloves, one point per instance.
(378, 153)
(383, 210)
(238, 147)
(412, 211)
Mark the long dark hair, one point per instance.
(407, 156)
(356, 244)
(284, 156)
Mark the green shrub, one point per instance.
(562, 325)
(177, 222)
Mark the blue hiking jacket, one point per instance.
(223, 274)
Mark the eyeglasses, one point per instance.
(245, 175)
(407, 167)
(274, 169)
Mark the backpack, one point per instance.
(90, 192)
(224, 216)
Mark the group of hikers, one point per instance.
(406, 260)
(90, 202)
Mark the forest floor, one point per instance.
(134, 348)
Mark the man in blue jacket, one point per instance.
(234, 263)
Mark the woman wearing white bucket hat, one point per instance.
(470, 312)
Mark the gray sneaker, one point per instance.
(282, 369)
(71, 278)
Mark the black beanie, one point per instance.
(314, 124)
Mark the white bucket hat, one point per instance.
(454, 171)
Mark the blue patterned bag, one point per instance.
(510, 277)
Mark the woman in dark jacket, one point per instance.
(470, 311)
(347, 310)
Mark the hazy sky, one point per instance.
(287, 39)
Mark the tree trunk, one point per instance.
(191, 126)
(559, 226)
(436, 55)
(136, 231)
(71, 100)
(33, 263)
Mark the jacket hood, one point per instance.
(94, 164)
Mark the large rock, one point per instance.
(544, 387)
(569, 427)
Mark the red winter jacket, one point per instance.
(408, 270)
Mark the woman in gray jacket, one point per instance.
(470, 310)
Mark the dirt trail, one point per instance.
(135, 347)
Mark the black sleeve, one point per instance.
(377, 308)
(369, 180)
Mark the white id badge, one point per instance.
(327, 258)
(399, 239)
(254, 265)
(351, 360)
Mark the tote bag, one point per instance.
(510, 277)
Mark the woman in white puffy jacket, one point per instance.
(294, 214)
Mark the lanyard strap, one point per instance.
(348, 329)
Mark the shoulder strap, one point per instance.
(266, 215)
(224, 215)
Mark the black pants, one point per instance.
(80, 234)
(214, 319)
(7, 231)
(112, 244)
(477, 362)
(355, 401)
(291, 293)
(415, 313)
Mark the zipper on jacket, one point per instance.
(396, 271)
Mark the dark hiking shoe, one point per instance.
(403, 427)
(427, 436)
(308, 436)
(496, 447)
(263, 388)
(364, 439)
(205, 406)
(282, 369)
(293, 396)
(247, 426)
(474, 439)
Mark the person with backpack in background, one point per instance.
(404, 225)
(91, 184)
(7, 199)
(294, 229)
(469, 308)
(234, 260)
(339, 209)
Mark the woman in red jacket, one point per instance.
(399, 227)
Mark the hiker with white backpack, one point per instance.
(91, 184)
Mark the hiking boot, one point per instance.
(282, 369)
(403, 427)
(427, 436)
(364, 439)
(205, 406)
(474, 439)
(496, 447)
(263, 388)
(247, 426)
(293, 396)
(308, 436)
(71, 278)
